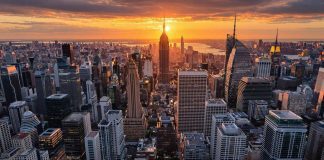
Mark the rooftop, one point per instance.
(74, 117)
(49, 131)
(57, 96)
(192, 72)
(255, 80)
(194, 139)
(93, 134)
(20, 136)
(216, 102)
(230, 129)
(18, 104)
(284, 115)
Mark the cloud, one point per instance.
(197, 9)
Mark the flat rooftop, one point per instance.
(93, 134)
(255, 80)
(18, 104)
(57, 96)
(74, 117)
(284, 115)
(194, 139)
(49, 131)
(192, 72)
(230, 129)
(216, 102)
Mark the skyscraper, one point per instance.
(192, 94)
(230, 42)
(275, 59)
(75, 128)
(16, 112)
(182, 46)
(92, 146)
(262, 67)
(22, 141)
(164, 57)
(213, 106)
(11, 84)
(31, 125)
(239, 65)
(295, 102)
(194, 146)
(284, 136)
(231, 142)
(252, 88)
(134, 124)
(5, 137)
(67, 53)
(315, 147)
(44, 88)
(58, 107)
(70, 84)
(112, 137)
(217, 120)
(85, 75)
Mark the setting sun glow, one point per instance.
(167, 28)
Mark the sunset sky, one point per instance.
(142, 19)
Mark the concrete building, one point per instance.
(213, 106)
(16, 111)
(284, 136)
(231, 142)
(257, 110)
(262, 67)
(52, 141)
(164, 57)
(315, 147)
(252, 88)
(295, 102)
(5, 137)
(29, 154)
(194, 146)
(192, 94)
(217, 120)
(92, 146)
(22, 141)
(58, 107)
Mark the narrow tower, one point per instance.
(164, 57)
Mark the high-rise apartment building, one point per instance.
(295, 102)
(213, 106)
(194, 146)
(70, 84)
(231, 142)
(22, 141)
(92, 146)
(315, 148)
(11, 84)
(44, 88)
(134, 123)
(112, 138)
(192, 95)
(257, 110)
(16, 112)
(252, 88)
(284, 136)
(217, 120)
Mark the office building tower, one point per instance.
(284, 136)
(252, 88)
(103, 107)
(5, 137)
(275, 55)
(16, 112)
(134, 124)
(58, 107)
(239, 65)
(70, 84)
(295, 102)
(104, 79)
(262, 67)
(31, 101)
(194, 146)
(29, 154)
(164, 57)
(287, 83)
(257, 110)
(217, 120)
(298, 70)
(31, 125)
(192, 94)
(231, 142)
(2, 93)
(92, 146)
(137, 58)
(52, 141)
(11, 84)
(67, 53)
(216, 84)
(112, 138)
(230, 42)
(320, 103)
(75, 128)
(85, 75)
(44, 88)
(92, 100)
(148, 68)
(319, 81)
(315, 148)
(213, 106)
(22, 141)
(42, 155)
(182, 46)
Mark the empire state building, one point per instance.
(164, 57)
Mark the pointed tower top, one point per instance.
(164, 24)
(276, 43)
(234, 32)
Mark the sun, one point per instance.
(167, 28)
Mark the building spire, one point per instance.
(164, 24)
(276, 43)
(234, 32)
